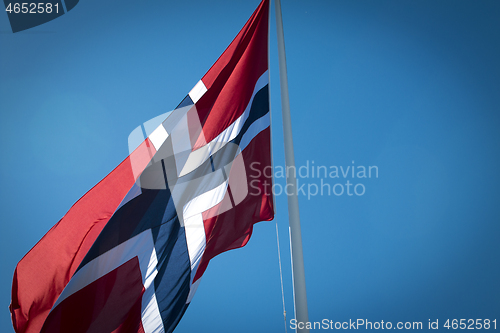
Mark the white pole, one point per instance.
(298, 276)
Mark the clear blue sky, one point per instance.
(412, 87)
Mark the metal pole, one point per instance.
(299, 280)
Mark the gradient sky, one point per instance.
(412, 87)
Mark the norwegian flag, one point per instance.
(129, 255)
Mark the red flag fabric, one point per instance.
(128, 256)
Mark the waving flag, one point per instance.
(129, 255)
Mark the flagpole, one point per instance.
(298, 276)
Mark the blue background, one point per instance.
(410, 87)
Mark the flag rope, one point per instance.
(281, 274)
